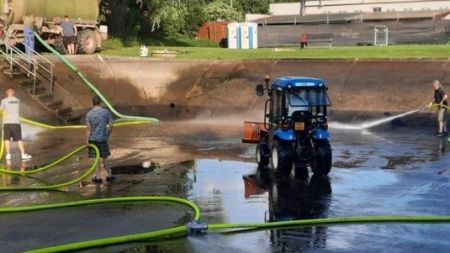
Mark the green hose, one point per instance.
(59, 160)
(182, 230)
(90, 85)
(55, 163)
(169, 232)
(437, 105)
(160, 234)
(331, 221)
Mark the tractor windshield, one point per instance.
(308, 97)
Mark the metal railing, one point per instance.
(42, 63)
(34, 65)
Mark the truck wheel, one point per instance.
(86, 42)
(281, 159)
(262, 154)
(59, 45)
(322, 160)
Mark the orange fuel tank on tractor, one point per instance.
(253, 131)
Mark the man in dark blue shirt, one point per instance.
(99, 127)
(440, 99)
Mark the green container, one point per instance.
(51, 10)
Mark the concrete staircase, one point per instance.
(34, 74)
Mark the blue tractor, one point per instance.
(294, 134)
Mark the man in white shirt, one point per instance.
(12, 130)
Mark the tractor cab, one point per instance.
(296, 103)
(294, 133)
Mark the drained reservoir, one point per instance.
(382, 164)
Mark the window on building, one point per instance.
(376, 9)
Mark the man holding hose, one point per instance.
(440, 99)
(12, 130)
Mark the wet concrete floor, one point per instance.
(393, 171)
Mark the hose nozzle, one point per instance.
(196, 228)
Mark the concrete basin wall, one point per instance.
(174, 88)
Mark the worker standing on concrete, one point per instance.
(69, 34)
(99, 127)
(12, 130)
(440, 99)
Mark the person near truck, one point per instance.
(440, 99)
(69, 33)
(99, 123)
(303, 40)
(12, 130)
(28, 34)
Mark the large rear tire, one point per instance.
(59, 45)
(281, 159)
(322, 159)
(262, 154)
(87, 42)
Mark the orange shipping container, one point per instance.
(216, 31)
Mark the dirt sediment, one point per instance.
(186, 89)
(181, 90)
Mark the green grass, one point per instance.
(361, 52)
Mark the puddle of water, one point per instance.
(238, 192)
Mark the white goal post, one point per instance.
(381, 35)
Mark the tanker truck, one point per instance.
(47, 16)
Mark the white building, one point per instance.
(312, 7)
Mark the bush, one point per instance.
(171, 41)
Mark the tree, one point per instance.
(219, 10)
(172, 16)
(252, 6)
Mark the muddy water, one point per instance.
(393, 171)
(396, 173)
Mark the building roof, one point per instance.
(349, 17)
(298, 81)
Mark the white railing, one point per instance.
(34, 65)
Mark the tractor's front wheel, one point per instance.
(281, 159)
(322, 159)
(262, 154)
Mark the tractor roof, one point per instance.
(299, 81)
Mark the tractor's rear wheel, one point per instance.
(281, 159)
(262, 154)
(59, 45)
(87, 42)
(322, 159)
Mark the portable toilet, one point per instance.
(233, 35)
(243, 35)
(249, 35)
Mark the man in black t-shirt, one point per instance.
(440, 98)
